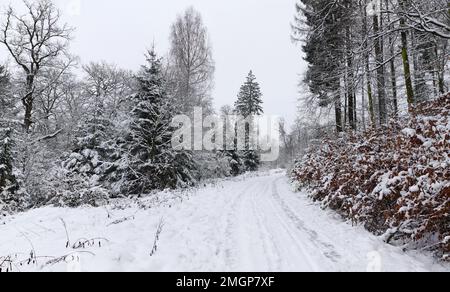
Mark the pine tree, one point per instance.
(248, 105)
(153, 163)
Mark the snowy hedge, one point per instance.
(395, 181)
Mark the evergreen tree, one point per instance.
(248, 105)
(5, 99)
(8, 181)
(323, 28)
(81, 179)
(153, 163)
(91, 149)
(249, 101)
(236, 167)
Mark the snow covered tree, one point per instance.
(249, 101)
(83, 174)
(249, 105)
(321, 26)
(4, 82)
(36, 40)
(8, 180)
(361, 48)
(90, 149)
(191, 64)
(153, 163)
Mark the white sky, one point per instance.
(245, 34)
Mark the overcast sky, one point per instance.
(245, 34)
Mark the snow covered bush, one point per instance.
(72, 189)
(212, 165)
(80, 179)
(396, 181)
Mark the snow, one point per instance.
(414, 189)
(409, 132)
(250, 223)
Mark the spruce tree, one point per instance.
(91, 144)
(81, 180)
(153, 163)
(249, 101)
(248, 105)
(324, 31)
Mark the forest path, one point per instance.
(253, 223)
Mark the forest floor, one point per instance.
(251, 223)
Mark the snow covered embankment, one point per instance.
(395, 181)
(251, 223)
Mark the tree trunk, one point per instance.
(349, 83)
(405, 58)
(345, 109)
(363, 105)
(355, 112)
(27, 102)
(338, 113)
(381, 81)
(393, 71)
(441, 68)
(441, 84)
(368, 74)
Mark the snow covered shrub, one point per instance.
(72, 189)
(396, 181)
(212, 165)
(80, 178)
(236, 164)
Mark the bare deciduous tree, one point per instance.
(35, 40)
(427, 16)
(192, 62)
(108, 85)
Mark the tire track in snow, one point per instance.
(266, 236)
(296, 256)
(232, 224)
(327, 249)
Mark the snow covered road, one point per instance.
(253, 223)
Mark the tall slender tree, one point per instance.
(321, 26)
(405, 56)
(191, 63)
(378, 31)
(248, 106)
